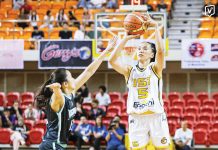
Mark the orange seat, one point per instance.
(3, 34)
(33, 4)
(57, 5)
(153, 4)
(110, 10)
(44, 5)
(3, 14)
(54, 12)
(41, 11)
(215, 32)
(94, 11)
(8, 24)
(28, 45)
(16, 32)
(6, 4)
(13, 14)
(207, 22)
(205, 33)
(70, 4)
(79, 11)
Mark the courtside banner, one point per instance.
(65, 54)
(199, 53)
(11, 53)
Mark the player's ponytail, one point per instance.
(44, 94)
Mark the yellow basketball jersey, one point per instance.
(145, 91)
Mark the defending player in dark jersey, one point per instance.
(56, 97)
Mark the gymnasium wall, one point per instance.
(175, 79)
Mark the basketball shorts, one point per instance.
(142, 128)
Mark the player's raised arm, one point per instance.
(159, 58)
(113, 60)
(57, 96)
(90, 70)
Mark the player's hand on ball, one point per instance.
(54, 86)
(112, 43)
(150, 22)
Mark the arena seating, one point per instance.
(202, 117)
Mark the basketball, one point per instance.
(134, 23)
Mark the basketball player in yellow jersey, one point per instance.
(147, 118)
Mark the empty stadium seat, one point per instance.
(27, 96)
(207, 22)
(207, 109)
(202, 125)
(212, 138)
(35, 135)
(27, 102)
(11, 97)
(166, 103)
(194, 102)
(200, 136)
(205, 33)
(188, 95)
(209, 102)
(2, 99)
(215, 96)
(29, 124)
(173, 95)
(113, 109)
(124, 116)
(58, 5)
(214, 125)
(119, 102)
(41, 124)
(190, 117)
(192, 109)
(190, 125)
(5, 135)
(44, 5)
(176, 110)
(205, 117)
(114, 96)
(178, 103)
(174, 117)
(202, 96)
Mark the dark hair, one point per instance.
(103, 88)
(48, 12)
(95, 101)
(153, 48)
(44, 93)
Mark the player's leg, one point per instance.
(45, 145)
(138, 132)
(159, 131)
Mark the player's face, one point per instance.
(70, 84)
(144, 52)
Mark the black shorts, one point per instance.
(47, 145)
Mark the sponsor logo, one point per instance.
(135, 143)
(141, 105)
(164, 140)
(214, 47)
(214, 58)
(85, 53)
(196, 49)
(209, 10)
